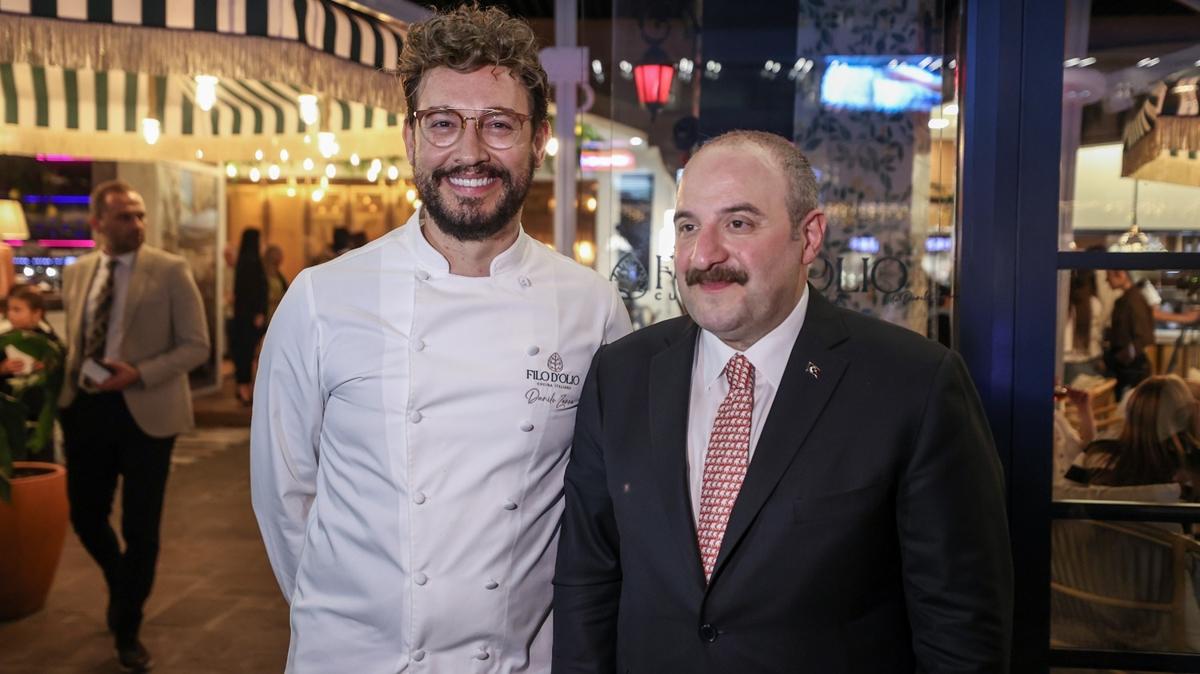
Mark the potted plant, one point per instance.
(33, 494)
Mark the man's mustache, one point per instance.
(716, 275)
(476, 171)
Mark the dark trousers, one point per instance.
(1128, 375)
(243, 340)
(102, 442)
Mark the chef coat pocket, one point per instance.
(840, 505)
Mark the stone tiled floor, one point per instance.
(215, 607)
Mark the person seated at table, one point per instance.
(1159, 444)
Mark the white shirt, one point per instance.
(410, 434)
(769, 356)
(115, 332)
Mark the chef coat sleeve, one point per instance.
(285, 429)
(617, 325)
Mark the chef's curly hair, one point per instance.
(469, 38)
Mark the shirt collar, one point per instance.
(769, 355)
(434, 262)
(123, 260)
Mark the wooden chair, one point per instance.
(1105, 410)
(1122, 585)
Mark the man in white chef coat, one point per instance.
(416, 397)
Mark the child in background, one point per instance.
(25, 310)
(31, 370)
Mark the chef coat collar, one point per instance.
(434, 262)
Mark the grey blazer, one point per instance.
(165, 336)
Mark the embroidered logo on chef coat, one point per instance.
(554, 385)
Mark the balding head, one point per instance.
(797, 173)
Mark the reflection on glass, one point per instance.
(1130, 178)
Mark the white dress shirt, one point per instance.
(410, 433)
(769, 356)
(115, 332)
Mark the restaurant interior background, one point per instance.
(289, 126)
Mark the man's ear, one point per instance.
(541, 136)
(812, 231)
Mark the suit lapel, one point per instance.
(670, 392)
(82, 285)
(139, 277)
(797, 406)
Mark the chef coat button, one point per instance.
(418, 655)
(708, 633)
(418, 345)
(509, 505)
(420, 578)
(482, 654)
(533, 350)
(525, 282)
(422, 274)
(414, 416)
(527, 427)
(419, 497)
(491, 585)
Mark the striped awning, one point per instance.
(335, 48)
(98, 113)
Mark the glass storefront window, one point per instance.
(1130, 179)
(869, 93)
(1123, 431)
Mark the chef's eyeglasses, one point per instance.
(498, 129)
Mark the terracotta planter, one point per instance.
(32, 529)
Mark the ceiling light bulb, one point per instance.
(283, 155)
(258, 155)
(552, 146)
(309, 112)
(354, 160)
(393, 172)
(151, 130)
(330, 171)
(273, 171)
(231, 170)
(255, 174)
(308, 164)
(206, 92)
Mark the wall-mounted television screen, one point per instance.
(883, 83)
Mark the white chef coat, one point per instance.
(410, 433)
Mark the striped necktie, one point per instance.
(726, 461)
(97, 335)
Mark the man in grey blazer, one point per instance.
(135, 328)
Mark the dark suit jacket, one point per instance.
(869, 534)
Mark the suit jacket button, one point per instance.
(708, 633)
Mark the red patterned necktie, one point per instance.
(726, 460)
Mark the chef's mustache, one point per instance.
(476, 171)
(716, 275)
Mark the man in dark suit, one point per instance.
(135, 328)
(776, 484)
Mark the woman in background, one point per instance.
(1082, 348)
(249, 312)
(1159, 443)
(276, 282)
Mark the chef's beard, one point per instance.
(469, 222)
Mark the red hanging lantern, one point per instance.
(653, 77)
